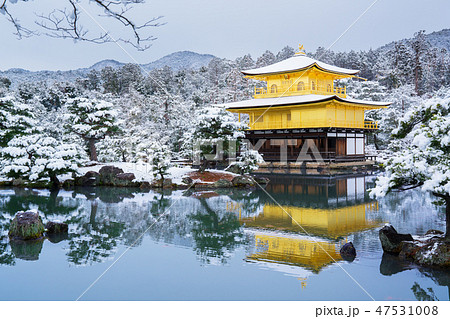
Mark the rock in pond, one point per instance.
(391, 241)
(56, 227)
(223, 183)
(243, 181)
(348, 252)
(26, 226)
(187, 180)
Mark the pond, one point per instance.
(280, 243)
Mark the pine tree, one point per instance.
(160, 159)
(92, 120)
(16, 119)
(265, 59)
(37, 156)
(420, 156)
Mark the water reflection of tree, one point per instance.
(215, 234)
(422, 294)
(26, 199)
(93, 240)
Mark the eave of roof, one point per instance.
(297, 100)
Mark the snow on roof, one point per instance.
(297, 62)
(295, 100)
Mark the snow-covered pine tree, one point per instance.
(265, 59)
(160, 159)
(285, 53)
(92, 120)
(421, 154)
(16, 119)
(248, 160)
(37, 156)
(215, 126)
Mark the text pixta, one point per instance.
(337, 311)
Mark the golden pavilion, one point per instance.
(310, 221)
(301, 104)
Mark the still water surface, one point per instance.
(220, 245)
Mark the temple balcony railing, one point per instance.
(304, 89)
(280, 125)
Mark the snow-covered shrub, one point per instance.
(35, 157)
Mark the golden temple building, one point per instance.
(302, 104)
(309, 253)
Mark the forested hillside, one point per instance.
(161, 105)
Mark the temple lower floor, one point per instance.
(305, 145)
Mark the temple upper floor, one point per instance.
(299, 75)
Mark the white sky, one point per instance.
(229, 28)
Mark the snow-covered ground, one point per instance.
(142, 171)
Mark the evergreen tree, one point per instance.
(265, 59)
(37, 156)
(420, 158)
(16, 119)
(285, 53)
(92, 120)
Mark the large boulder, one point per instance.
(391, 241)
(124, 179)
(223, 183)
(108, 175)
(348, 252)
(243, 181)
(89, 179)
(187, 180)
(234, 168)
(25, 226)
(435, 253)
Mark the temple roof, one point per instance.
(297, 63)
(296, 100)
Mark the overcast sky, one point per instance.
(228, 29)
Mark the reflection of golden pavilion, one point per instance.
(307, 252)
(331, 223)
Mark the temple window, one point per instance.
(300, 86)
(273, 88)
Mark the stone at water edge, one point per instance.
(348, 252)
(391, 241)
(108, 175)
(56, 227)
(234, 168)
(187, 180)
(223, 183)
(25, 226)
(243, 181)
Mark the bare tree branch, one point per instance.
(21, 32)
(66, 22)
